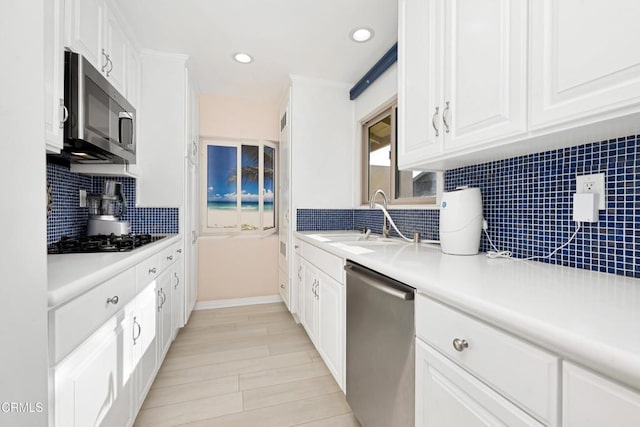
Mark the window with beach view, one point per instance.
(240, 186)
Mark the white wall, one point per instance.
(379, 94)
(321, 145)
(23, 291)
(237, 267)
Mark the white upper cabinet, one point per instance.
(584, 59)
(85, 30)
(116, 48)
(55, 113)
(462, 75)
(94, 32)
(419, 79)
(485, 69)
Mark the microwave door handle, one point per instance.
(123, 117)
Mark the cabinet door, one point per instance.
(309, 313)
(89, 387)
(584, 59)
(420, 48)
(331, 327)
(85, 29)
(446, 395)
(146, 343)
(177, 296)
(54, 112)
(283, 286)
(589, 400)
(163, 325)
(485, 71)
(116, 47)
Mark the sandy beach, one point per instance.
(225, 218)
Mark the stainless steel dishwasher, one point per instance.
(380, 348)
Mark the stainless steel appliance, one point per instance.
(101, 123)
(106, 209)
(101, 243)
(380, 348)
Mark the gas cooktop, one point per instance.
(101, 243)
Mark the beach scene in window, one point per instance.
(226, 207)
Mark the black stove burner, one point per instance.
(101, 243)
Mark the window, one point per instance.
(239, 186)
(380, 166)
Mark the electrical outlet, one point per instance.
(593, 184)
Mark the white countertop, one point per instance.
(589, 317)
(70, 275)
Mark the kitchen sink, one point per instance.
(341, 237)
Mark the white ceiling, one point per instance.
(303, 37)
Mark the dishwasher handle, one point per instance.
(381, 283)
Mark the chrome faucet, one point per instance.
(372, 205)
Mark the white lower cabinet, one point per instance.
(309, 315)
(322, 306)
(103, 379)
(331, 327)
(498, 365)
(163, 324)
(590, 400)
(447, 395)
(90, 384)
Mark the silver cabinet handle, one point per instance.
(170, 258)
(281, 286)
(65, 113)
(194, 237)
(179, 251)
(106, 62)
(434, 119)
(135, 337)
(459, 344)
(113, 300)
(164, 296)
(195, 148)
(444, 117)
(177, 281)
(152, 270)
(111, 65)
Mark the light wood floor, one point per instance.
(244, 366)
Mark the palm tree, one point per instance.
(251, 173)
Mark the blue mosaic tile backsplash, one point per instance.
(528, 205)
(67, 219)
(527, 202)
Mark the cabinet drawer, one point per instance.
(329, 263)
(525, 374)
(147, 271)
(168, 256)
(76, 320)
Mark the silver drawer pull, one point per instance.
(113, 300)
(135, 337)
(459, 344)
(179, 251)
(177, 281)
(152, 270)
(281, 286)
(170, 258)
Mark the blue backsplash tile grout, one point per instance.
(527, 202)
(68, 219)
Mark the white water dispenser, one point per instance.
(461, 221)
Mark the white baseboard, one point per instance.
(236, 302)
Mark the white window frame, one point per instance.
(238, 143)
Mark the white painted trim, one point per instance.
(236, 302)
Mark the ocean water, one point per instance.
(246, 206)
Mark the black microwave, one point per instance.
(100, 127)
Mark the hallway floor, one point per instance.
(244, 366)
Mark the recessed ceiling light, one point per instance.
(362, 35)
(242, 58)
